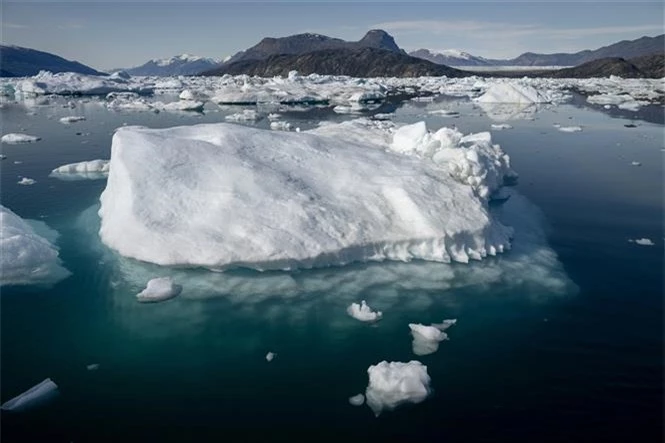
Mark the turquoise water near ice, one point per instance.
(560, 339)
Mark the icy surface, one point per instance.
(513, 92)
(363, 312)
(642, 241)
(426, 338)
(67, 83)
(26, 181)
(159, 289)
(27, 258)
(14, 138)
(501, 126)
(90, 170)
(270, 356)
(224, 195)
(35, 396)
(357, 400)
(72, 119)
(570, 128)
(395, 383)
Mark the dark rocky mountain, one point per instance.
(304, 43)
(603, 67)
(653, 66)
(16, 61)
(355, 62)
(451, 57)
(626, 49)
(184, 64)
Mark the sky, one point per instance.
(122, 33)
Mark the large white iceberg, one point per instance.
(225, 195)
(395, 383)
(68, 83)
(26, 257)
(512, 92)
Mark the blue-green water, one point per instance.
(560, 339)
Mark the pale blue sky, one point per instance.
(106, 34)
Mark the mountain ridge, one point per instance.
(18, 61)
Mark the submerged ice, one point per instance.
(395, 383)
(223, 195)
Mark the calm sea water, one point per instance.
(560, 339)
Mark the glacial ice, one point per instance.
(35, 396)
(357, 400)
(222, 195)
(270, 356)
(501, 126)
(512, 92)
(68, 83)
(570, 128)
(395, 383)
(363, 312)
(426, 338)
(86, 170)
(642, 241)
(25, 181)
(72, 119)
(14, 139)
(159, 289)
(27, 258)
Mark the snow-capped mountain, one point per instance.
(451, 57)
(184, 64)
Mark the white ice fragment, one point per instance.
(642, 241)
(246, 115)
(501, 126)
(395, 383)
(35, 396)
(363, 312)
(512, 92)
(91, 170)
(274, 116)
(92, 367)
(181, 105)
(159, 289)
(426, 338)
(443, 112)
(635, 163)
(26, 181)
(72, 119)
(280, 126)
(270, 356)
(570, 128)
(357, 400)
(15, 138)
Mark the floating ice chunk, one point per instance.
(275, 205)
(444, 112)
(274, 116)
(363, 312)
(14, 138)
(92, 367)
(35, 396)
(570, 128)
(182, 105)
(246, 115)
(357, 400)
(634, 163)
(426, 338)
(90, 170)
(3, 157)
(280, 126)
(501, 126)
(512, 93)
(270, 356)
(188, 94)
(72, 119)
(26, 181)
(27, 258)
(382, 116)
(642, 241)
(395, 383)
(159, 289)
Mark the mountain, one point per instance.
(650, 66)
(23, 62)
(355, 62)
(184, 64)
(625, 49)
(451, 57)
(304, 43)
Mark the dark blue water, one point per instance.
(560, 339)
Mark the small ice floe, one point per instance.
(501, 126)
(382, 116)
(90, 170)
(33, 397)
(634, 163)
(92, 367)
(357, 400)
(244, 116)
(270, 356)
(444, 112)
(426, 338)
(363, 312)
(182, 105)
(72, 119)
(642, 241)
(280, 126)
(395, 383)
(16, 138)
(274, 116)
(159, 289)
(26, 181)
(570, 128)
(188, 94)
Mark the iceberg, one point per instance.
(72, 119)
(14, 139)
(512, 93)
(570, 128)
(363, 312)
(395, 383)
(270, 356)
(27, 258)
(642, 241)
(70, 83)
(159, 289)
(222, 195)
(426, 338)
(35, 396)
(92, 170)
(26, 181)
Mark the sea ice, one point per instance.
(14, 139)
(224, 195)
(72, 119)
(511, 92)
(357, 400)
(642, 241)
(426, 338)
(35, 396)
(395, 383)
(26, 181)
(91, 170)
(244, 116)
(280, 126)
(501, 126)
(27, 258)
(270, 356)
(363, 312)
(68, 83)
(570, 128)
(159, 289)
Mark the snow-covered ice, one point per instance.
(357, 400)
(68, 83)
(33, 397)
(280, 126)
(72, 119)
(91, 170)
(642, 241)
(426, 338)
(363, 312)
(395, 383)
(14, 138)
(513, 92)
(26, 181)
(247, 115)
(570, 128)
(27, 258)
(225, 195)
(501, 126)
(159, 289)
